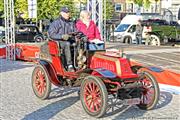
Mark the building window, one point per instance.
(118, 7)
(130, 7)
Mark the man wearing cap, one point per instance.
(59, 30)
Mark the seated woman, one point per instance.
(89, 28)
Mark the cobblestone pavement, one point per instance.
(17, 100)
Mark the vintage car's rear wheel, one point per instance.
(40, 83)
(94, 96)
(150, 95)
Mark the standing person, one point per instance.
(139, 30)
(89, 28)
(59, 30)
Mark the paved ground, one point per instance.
(166, 57)
(17, 100)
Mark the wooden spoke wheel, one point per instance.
(150, 95)
(94, 96)
(40, 83)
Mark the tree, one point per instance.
(49, 9)
(46, 9)
(145, 3)
(2, 6)
(21, 7)
(109, 9)
(156, 5)
(139, 2)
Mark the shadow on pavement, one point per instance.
(133, 112)
(62, 91)
(7, 65)
(165, 99)
(47, 112)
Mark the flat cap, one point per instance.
(64, 9)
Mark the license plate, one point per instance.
(132, 101)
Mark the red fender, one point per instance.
(51, 72)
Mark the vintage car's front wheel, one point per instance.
(94, 96)
(150, 95)
(40, 83)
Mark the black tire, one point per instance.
(38, 38)
(46, 89)
(155, 96)
(100, 88)
(128, 40)
(2, 40)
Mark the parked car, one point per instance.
(2, 33)
(174, 23)
(161, 32)
(125, 31)
(26, 33)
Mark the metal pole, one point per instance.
(9, 29)
(13, 29)
(104, 21)
(93, 10)
(88, 5)
(98, 10)
(100, 23)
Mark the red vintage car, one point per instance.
(23, 51)
(98, 73)
(28, 41)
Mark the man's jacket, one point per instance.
(59, 27)
(139, 29)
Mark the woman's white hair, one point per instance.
(83, 13)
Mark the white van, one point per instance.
(125, 31)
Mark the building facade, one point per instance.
(156, 6)
(170, 7)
